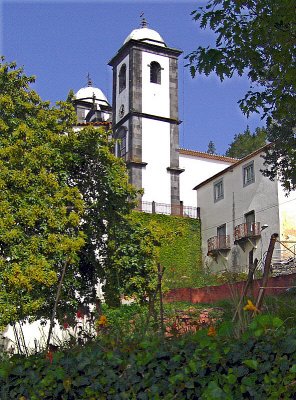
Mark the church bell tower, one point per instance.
(145, 114)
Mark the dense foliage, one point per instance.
(102, 180)
(39, 212)
(178, 242)
(261, 365)
(257, 38)
(65, 202)
(280, 159)
(133, 249)
(245, 143)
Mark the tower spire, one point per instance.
(144, 23)
(89, 81)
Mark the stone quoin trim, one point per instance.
(174, 132)
(134, 121)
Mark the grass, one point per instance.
(130, 319)
(282, 306)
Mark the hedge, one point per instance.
(181, 256)
(261, 365)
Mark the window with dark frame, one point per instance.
(248, 173)
(155, 72)
(250, 222)
(221, 236)
(123, 147)
(122, 78)
(218, 190)
(122, 144)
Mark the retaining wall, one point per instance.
(210, 294)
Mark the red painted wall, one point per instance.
(210, 294)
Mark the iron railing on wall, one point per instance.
(284, 258)
(221, 242)
(245, 230)
(168, 209)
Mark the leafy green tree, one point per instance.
(108, 199)
(211, 147)
(65, 203)
(257, 38)
(246, 142)
(134, 254)
(137, 253)
(71, 96)
(40, 213)
(280, 157)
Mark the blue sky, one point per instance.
(61, 41)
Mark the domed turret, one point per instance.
(90, 94)
(91, 104)
(145, 34)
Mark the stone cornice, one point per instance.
(175, 170)
(150, 47)
(149, 116)
(133, 163)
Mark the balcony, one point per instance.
(218, 244)
(244, 233)
(168, 209)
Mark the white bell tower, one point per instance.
(145, 113)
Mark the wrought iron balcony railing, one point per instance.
(245, 231)
(217, 243)
(168, 209)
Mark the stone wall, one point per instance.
(211, 294)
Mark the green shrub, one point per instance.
(230, 277)
(261, 365)
(282, 305)
(180, 250)
(127, 322)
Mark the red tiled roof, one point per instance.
(202, 154)
(93, 123)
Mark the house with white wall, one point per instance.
(240, 209)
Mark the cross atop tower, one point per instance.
(89, 81)
(144, 23)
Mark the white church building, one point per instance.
(227, 194)
(239, 209)
(145, 120)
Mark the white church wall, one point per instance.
(259, 196)
(197, 169)
(35, 333)
(156, 152)
(155, 98)
(35, 336)
(123, 96)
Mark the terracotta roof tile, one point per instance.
(102, 123)
(202, 154)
